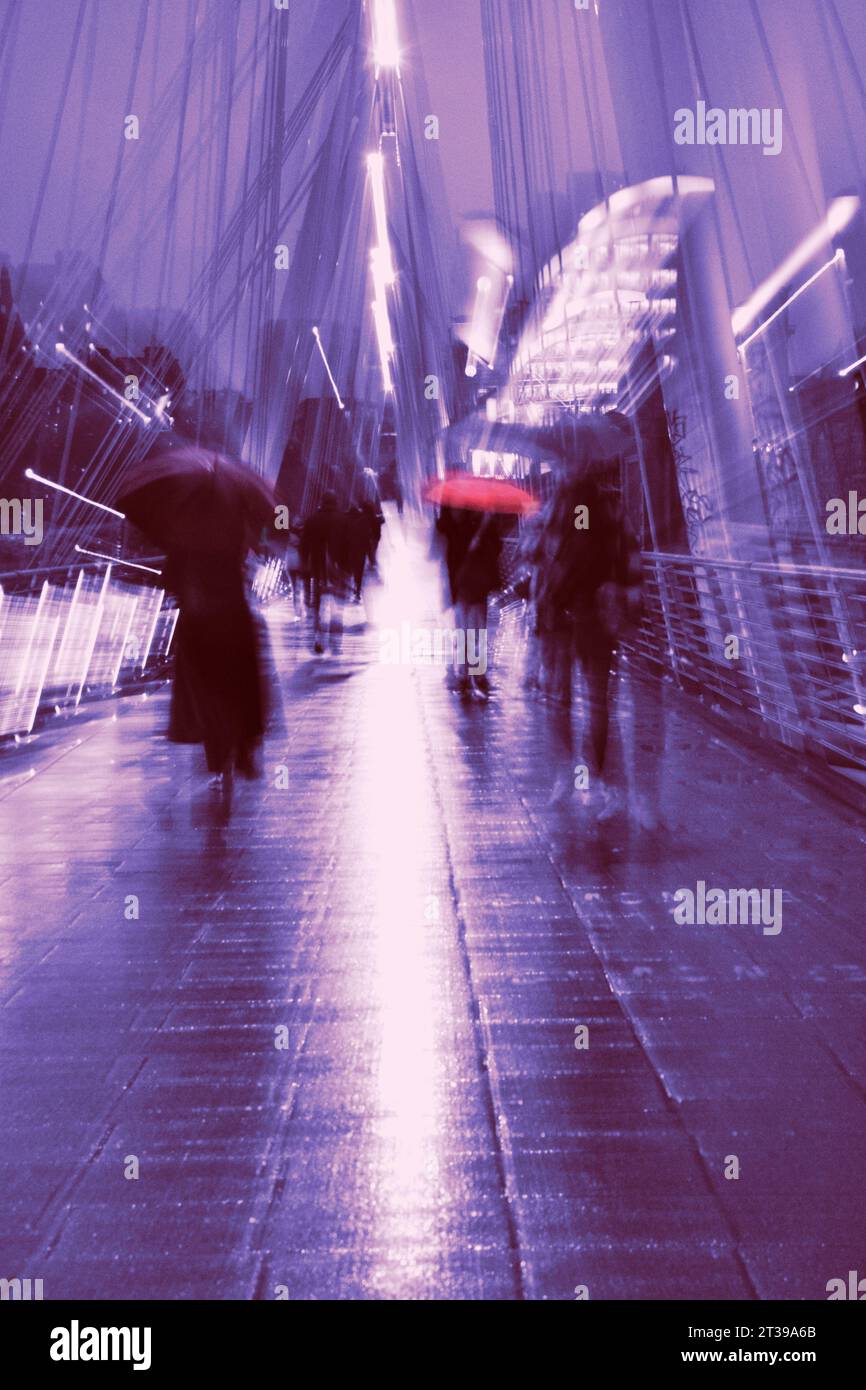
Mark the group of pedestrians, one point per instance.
(579, 576)
(327, 559)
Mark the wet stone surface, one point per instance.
(334, 1034)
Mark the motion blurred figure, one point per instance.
(473, 549)
(588, 591)
(205, 511)
(326, 560)
(218, 691)
(293, 567)
(362, 531)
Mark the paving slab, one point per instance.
(332, 1052)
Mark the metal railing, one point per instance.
(73, 632)
(785, 644)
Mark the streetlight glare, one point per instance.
(386, 39)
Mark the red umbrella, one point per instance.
(475, 494)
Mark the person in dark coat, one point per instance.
(218, 694)
(359, 540)
(293, 568)
(473, 550)
(588, 592)
(326, 558)
(456, 526)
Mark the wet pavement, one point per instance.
(400, 1028)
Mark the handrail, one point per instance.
(756, 566)
(798, 671)
(90, 634)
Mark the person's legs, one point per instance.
(596, 655)
(561, 676)
(559, 656)
(596, 667)
(217, 753)
(477, 645)
(335, 623)
(531, 643)
(461, 672)
(316, 609)
(644, 736)
(358, 576)
(246, 760)
(298, 593)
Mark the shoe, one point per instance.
(220, 786)
(318, 647)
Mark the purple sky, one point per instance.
(829, 129)
(449, 48)
(450, 43)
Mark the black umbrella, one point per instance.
(196, 499)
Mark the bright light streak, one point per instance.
(839, 256)
(852, 366)
(383, 325)
(122, 652)
(483, 286)
(376, 169)
(485, 238)
(385, 341)
(25, 659)
(113, 560)
(318, 339)
(58, 487)
(386, 38)
(382, 269)
(63, 351)
(509, 281)
(382, 278)
(69, 620)
(49, 648)
(157, 609)
(94, 633)
(174, 617)
(839, 214)
(652, 191)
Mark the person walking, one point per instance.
(476, 575)
(293, 568)
(326, 563)
(588, 591)
(218, 694)
(358, 543)
(205, 510)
